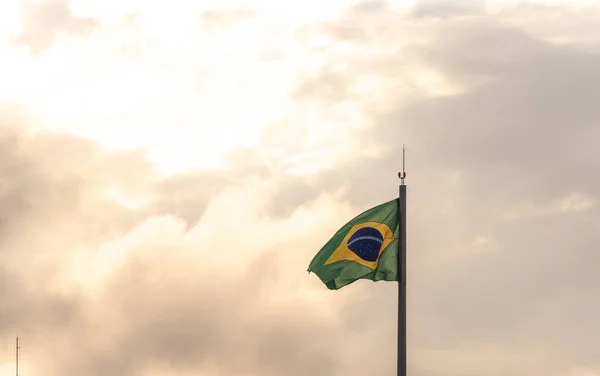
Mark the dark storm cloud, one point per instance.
(43, 20)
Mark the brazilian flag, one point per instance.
(364, 248)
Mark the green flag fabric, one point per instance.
(364, 248)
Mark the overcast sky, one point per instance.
(169, 169)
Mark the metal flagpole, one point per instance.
(402, 270)
(17, 356)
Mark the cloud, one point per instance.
(43, 21)
(521, 134)
(26, 307)
(47, 190)
(216, 19)
(204, 300)
(205, 271)
(202, 321)
(370, 6)
(111, 275)
(446, 8)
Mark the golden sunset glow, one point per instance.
(169, 169)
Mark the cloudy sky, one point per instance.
(169, 169)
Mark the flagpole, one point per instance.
(17, 357)
(402, 270)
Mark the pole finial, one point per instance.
(402, 175)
